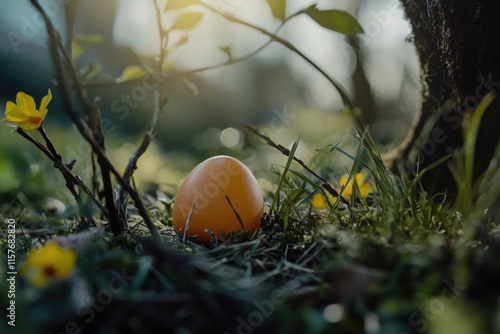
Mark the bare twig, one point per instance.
(327, 186)
(69, 181)
(343, 94)
(132, 164)
(235, 212)
(188, 222)
(49, 144)
(181, 73)
(70, 178)
(159, 102)
(117, 224)
(57, 46)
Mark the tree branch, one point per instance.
(343, 94)
(56, 45)
(327, 186)
(71, 179)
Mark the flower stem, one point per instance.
(58, 51)
(49, 144)
(71, 179)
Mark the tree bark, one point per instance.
(458, 44)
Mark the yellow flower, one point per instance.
(363, 187)
(319, 202)
(24, 112)
(48, 264)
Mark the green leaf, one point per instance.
(174, 4)
(90, 71)
(182, 41)
(278, 8)
(131, 73)
(187, 21)
(335, 20)
(281, 183)
(190, 85)
(81, 42)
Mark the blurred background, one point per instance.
(275, 89)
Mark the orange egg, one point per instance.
(209, 186)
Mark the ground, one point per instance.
(393, 262)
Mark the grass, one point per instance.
(395, 262)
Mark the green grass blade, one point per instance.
(283, 175)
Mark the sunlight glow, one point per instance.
(136, 27)
(230, 137)
(387, 55)
(333, 313)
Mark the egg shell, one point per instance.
(207, 186)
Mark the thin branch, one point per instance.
(226, 63)
(343, 94)
(327, 186)
(50, 146)
(117, 225)
(69, 182)
(200, 69)
(146, 140)
(183, 73)
(150, 133)
(67, 173)
(162, 33)
(56, 45)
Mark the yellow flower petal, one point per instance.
(49, 263)
(347, 192)
(363, 187)
(24, 112)
(45, 102)
(50, 250)
(39, 280)
(343, 180)
(359, 179)
(318, 201)
(66, 263)
(26, 102)
(13, 113)
(28, 125)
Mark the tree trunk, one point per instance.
(458, 44)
